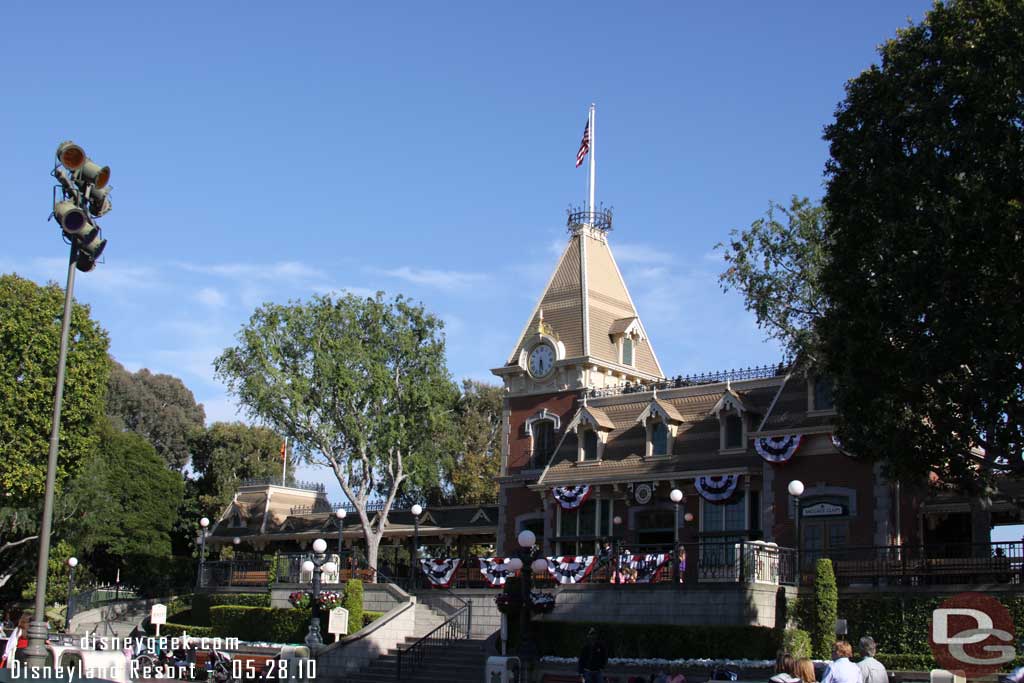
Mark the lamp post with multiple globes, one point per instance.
(316, 566)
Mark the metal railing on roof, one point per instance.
(270, 481)
(373, 506)
(679, 381)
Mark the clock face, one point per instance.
(542, 360)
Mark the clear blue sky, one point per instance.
(268, 151)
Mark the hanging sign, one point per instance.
(496, 570)
(571, 497)
(717, 488)
(440, 572)
(823, 510)
(777, 449)
(571, 568)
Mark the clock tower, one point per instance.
(584, 334)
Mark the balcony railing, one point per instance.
(923, 565)
(270, 481)
(679, 381)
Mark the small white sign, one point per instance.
(158, 615)
(823, 510)
(337, 623)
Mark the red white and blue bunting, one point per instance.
(440, 572)
(717, 488)
(571, 568)
(571, 497)
(838, 443)
(645, 566)
(496, 570)
(777, 449)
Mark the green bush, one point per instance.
(202, 602)
(826, 598)
(370, 617)
(353, 602)
(566, 639)
(797, 642)
(271, 624)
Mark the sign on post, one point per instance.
(337, 623)
(157, 616)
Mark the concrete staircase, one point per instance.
(462, 660)
(116, 619)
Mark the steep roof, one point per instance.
(586, 304)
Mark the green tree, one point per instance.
(158, 407)
(358, 385)
(777, 264)
(227, 453)
(924, 332)
(472, 471)
(130, 500)
(30, 321)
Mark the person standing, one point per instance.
(593, 659)
(805, 671)
(18, 640)
(871, 669)
(785, 669)
(842, 670)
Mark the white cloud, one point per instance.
(291, 270)
(441, 279)
(212, 297)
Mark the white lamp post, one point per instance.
(72, 563)
(416, 511)
(677, 497)
(339, 515)
(796, 489)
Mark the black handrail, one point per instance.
(441, 637)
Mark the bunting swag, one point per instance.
(777, 448)
(440, 572)
(717, 489)
(571, 497)
(571, 568)
(495, 570)
(646, 566)
(838, 443)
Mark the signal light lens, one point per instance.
(70, 155)
(72, 219)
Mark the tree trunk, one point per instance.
(372, 548)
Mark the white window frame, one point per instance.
(599, 524)
(722, 419)
(671, 428)
(622, 350)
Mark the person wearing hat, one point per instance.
(593, 659)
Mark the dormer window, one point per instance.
(821, 393)
(661, 420)
(626, 333)
(589, 442)
(543, 442)
(627, 351)
(659, 438)
(732, 429)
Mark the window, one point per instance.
(589, 445)
(543, 442)
(654, 527)
(823, 394)
(659, 438)
(627, 350)
(733, 432)
(579, 530)
(724, 517)
(723, 525)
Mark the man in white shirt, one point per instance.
(842, 670)
(871, 669)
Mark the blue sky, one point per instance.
(262, 153)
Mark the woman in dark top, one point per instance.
(593, 659)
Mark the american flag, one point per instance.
(584, 145)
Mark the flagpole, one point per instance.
(592, 149)
(284, 464)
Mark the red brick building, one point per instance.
(589, 404)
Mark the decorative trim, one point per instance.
(777, 449)
(440, 572)
(543, 414)
(571, 497)
(496, 570)
(571, 568)
(716, 488)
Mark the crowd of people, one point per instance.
(841, 670)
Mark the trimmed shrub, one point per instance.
(643, 641)
(826, 599)
(202, 602)
(370, 617)
(797, 642)
(271, 624)
(353, 602)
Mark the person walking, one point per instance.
(593, 659)
(842, 670)
(871, 669)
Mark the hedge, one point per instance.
(566, 639)
(370, 617)
(175, 630)
(353, 602)
(797, 642)
(202, 602)
(271, 624)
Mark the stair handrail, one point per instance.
(441, 635)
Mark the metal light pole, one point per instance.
(339, 514)
(616, 523)
(72, 563)
(84, 191)
(317, 565)
(417, 510)
(203, 523)
(796, 489)
(676, 496)
(526, 539)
